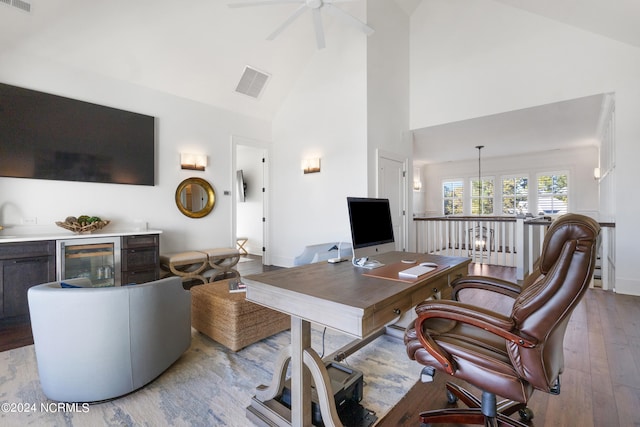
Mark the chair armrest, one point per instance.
(492, 284)
(488, 320)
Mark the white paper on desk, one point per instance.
(415, 272)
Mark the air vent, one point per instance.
(22, 5)
(252, 82)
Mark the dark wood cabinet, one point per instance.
(26, 264)
(23, 265)
(140, 258)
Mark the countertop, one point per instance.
(36, 233)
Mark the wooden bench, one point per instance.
(203, 265)
(222, 261)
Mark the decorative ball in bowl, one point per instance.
(82, 224)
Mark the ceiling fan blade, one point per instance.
(317, 24)
(287, 22)
(349, 19)
(262, 3)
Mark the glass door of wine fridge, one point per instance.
(97, 259)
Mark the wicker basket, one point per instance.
(77, 228)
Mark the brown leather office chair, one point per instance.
(507, 355)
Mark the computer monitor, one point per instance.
(371, 226)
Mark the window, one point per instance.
(515, 195)
(553, 193)
(452, 196)
(482, 197)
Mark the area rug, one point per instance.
(208, 386)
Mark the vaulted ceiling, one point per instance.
(616, 19)
(197, 49)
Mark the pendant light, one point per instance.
(480, 209)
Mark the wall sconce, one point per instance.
(196, 162)
(596, 173)
(311, 165)
(417, 185)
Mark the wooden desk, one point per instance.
(342, 297)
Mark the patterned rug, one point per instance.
(208, 386)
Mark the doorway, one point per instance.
(392, 185)
(250, 198)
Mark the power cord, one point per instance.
(365, 263)
(324, 331)
(342, 356)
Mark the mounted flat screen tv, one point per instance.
(371, 226)
(44, 136)
(242, 186)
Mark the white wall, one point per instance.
(579, 163)
(388, 105)
(182, 125)
(324, 116)
(419, 196)
(352, 100)
(472, 58)
(387, 83)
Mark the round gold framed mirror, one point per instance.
(195, 197)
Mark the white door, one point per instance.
(392, 186)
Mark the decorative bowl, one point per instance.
(78, 228)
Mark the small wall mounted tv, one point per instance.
(242, 186)
(371, 226)
(45, 136)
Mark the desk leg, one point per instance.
(300, 378)
(274, 390)
(322, 381)
(305, 361)
(305, 364)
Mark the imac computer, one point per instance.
(371, 229)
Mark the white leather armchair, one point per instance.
(94, 344)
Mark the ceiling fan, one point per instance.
(315, 6)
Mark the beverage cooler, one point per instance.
(97, 259)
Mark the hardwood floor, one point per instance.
(15, 335)
(601, 382)
(252, 264)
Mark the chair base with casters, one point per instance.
(487, 412)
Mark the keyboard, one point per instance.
(415, 272)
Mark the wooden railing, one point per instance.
(489, 240)
(607, 258)
(505, 241)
